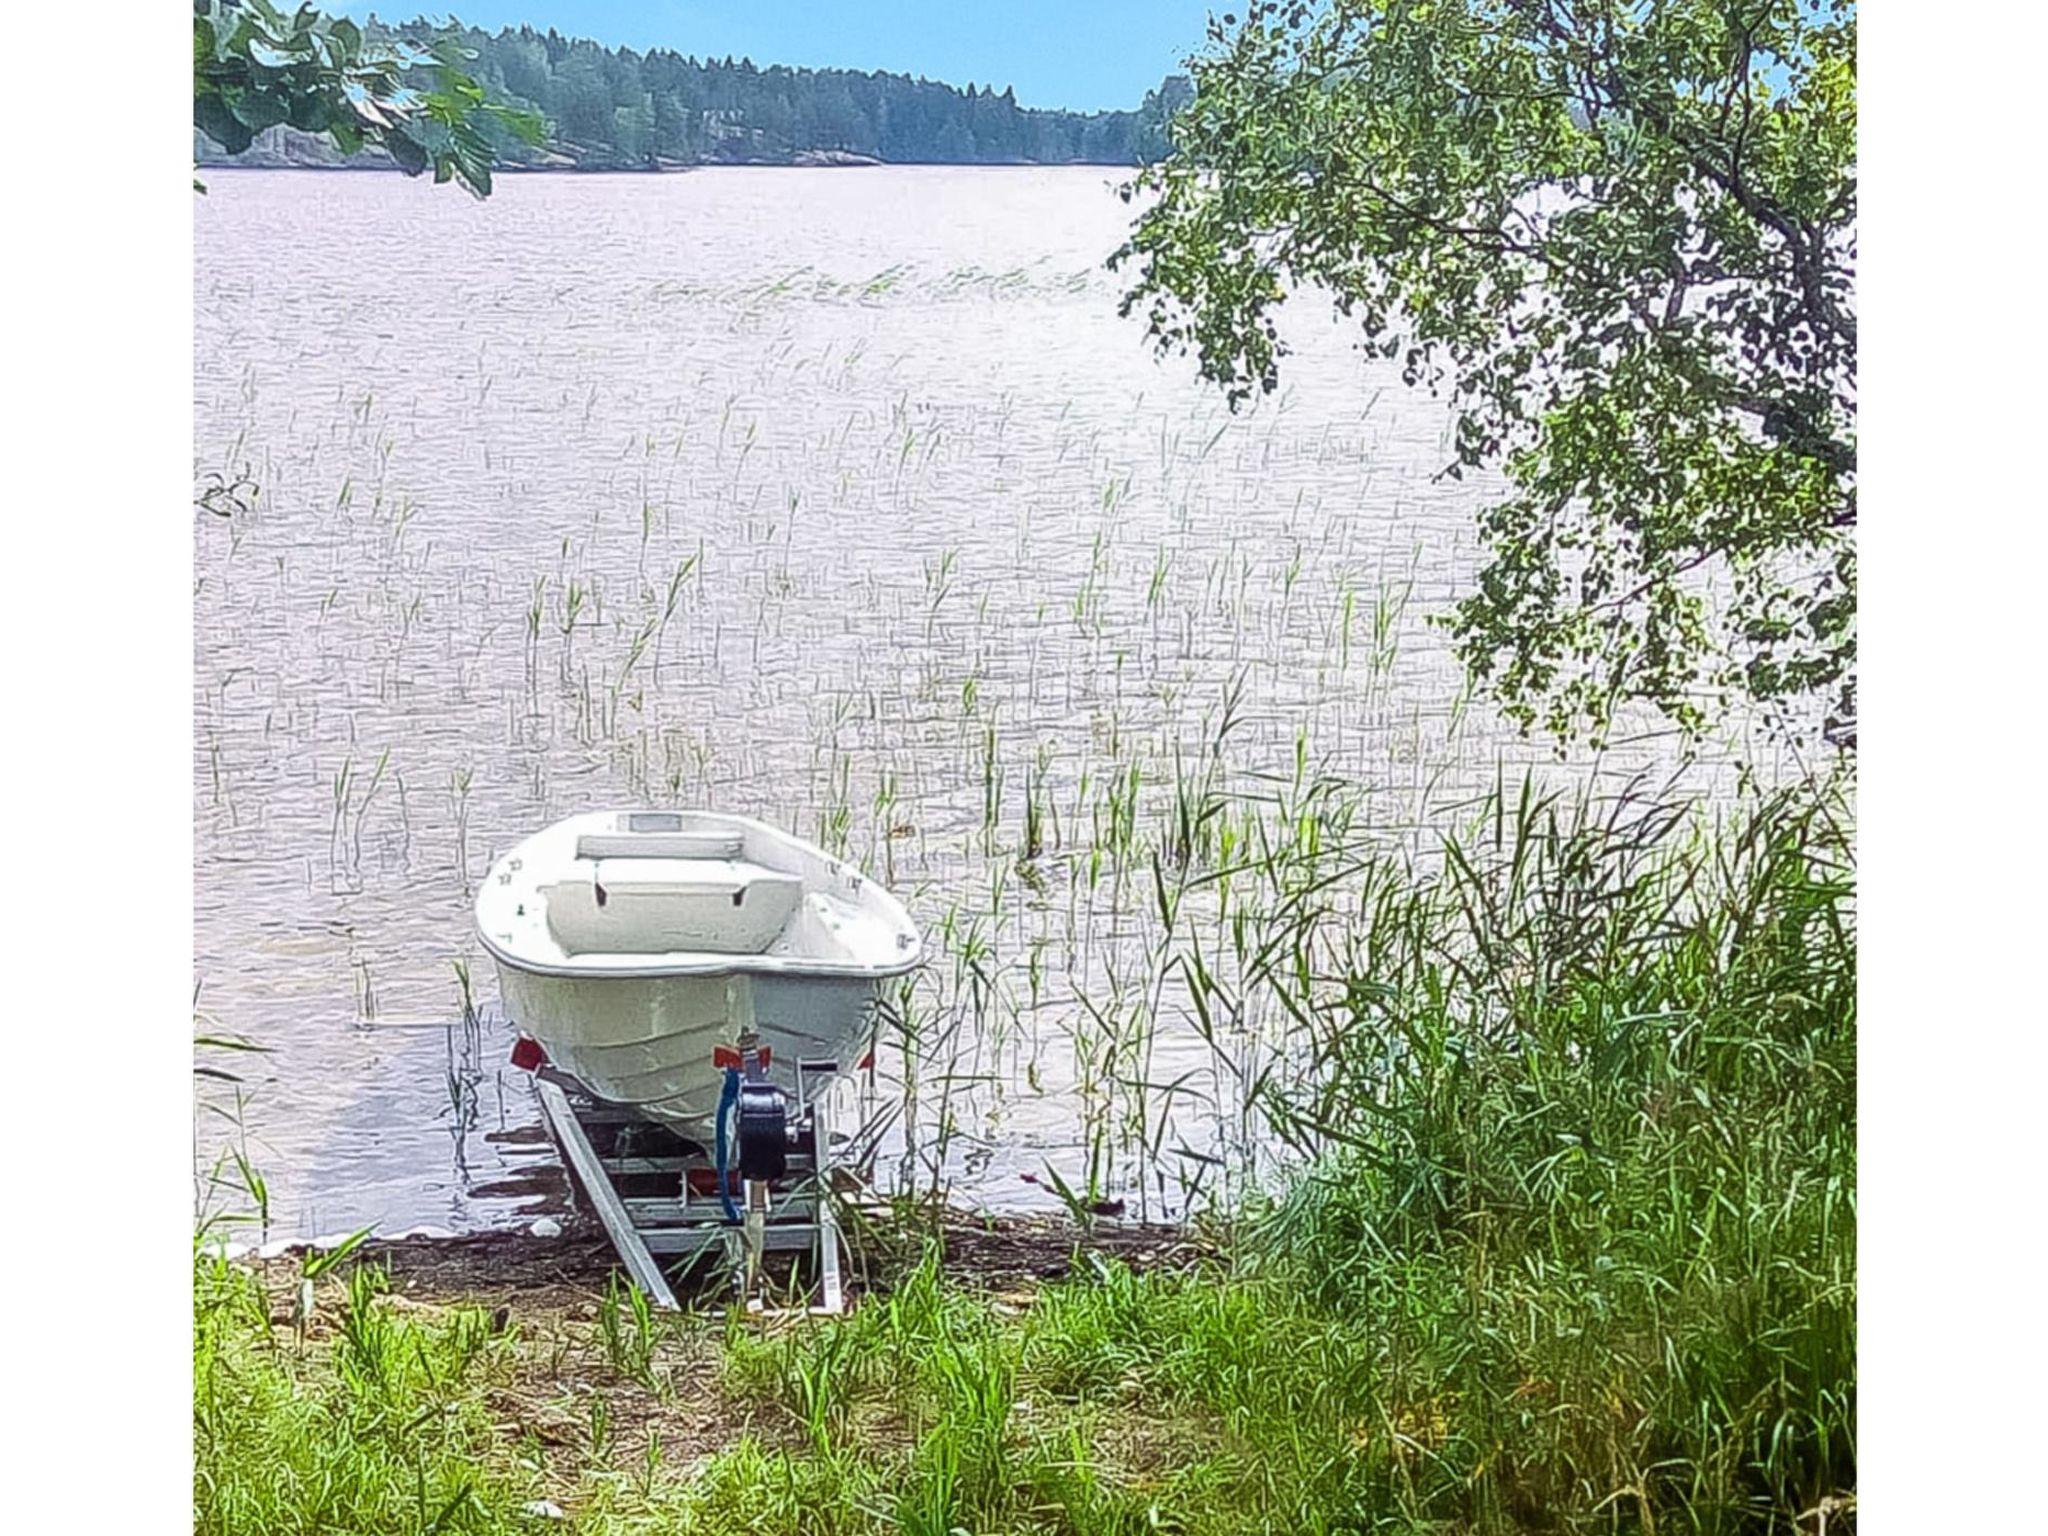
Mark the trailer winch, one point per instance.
(661, 1196)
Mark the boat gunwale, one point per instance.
(689, 962)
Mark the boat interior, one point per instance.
(659, 885)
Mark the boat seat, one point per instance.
(642, 904)
(660, 845)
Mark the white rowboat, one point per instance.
(630, 944)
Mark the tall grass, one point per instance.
(1577, 1247)
(1584, 1107)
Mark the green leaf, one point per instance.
(317, 1264)
(210, 115)
(270, 56)
(407, 151)
(259, 110)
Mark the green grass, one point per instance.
(382, 1429)
(1569, 1246)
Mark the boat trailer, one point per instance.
(658, 1194)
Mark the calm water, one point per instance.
(840, 498)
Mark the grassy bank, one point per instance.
(1570, 1245)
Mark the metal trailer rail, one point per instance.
(597, 1141)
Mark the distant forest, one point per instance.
(614, 109)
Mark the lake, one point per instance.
(841, 498)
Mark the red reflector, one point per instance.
(725, 1056)
(704, 1181)
(764, 1055)
(527, 1055)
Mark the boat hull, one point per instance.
(647, 1041)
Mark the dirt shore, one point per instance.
(529, 1273)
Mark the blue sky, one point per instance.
(1056, 53)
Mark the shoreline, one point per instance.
(980, 1252)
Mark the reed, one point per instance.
(1567, 1241)
(629, 1333)
(1577, 1242)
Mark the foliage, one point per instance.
(1585, 1109)
(617, 109)
(1576, 1252)
(1623, 237)
(255, 68)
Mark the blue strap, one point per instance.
(728, 1096)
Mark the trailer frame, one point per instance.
(793, 1214)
